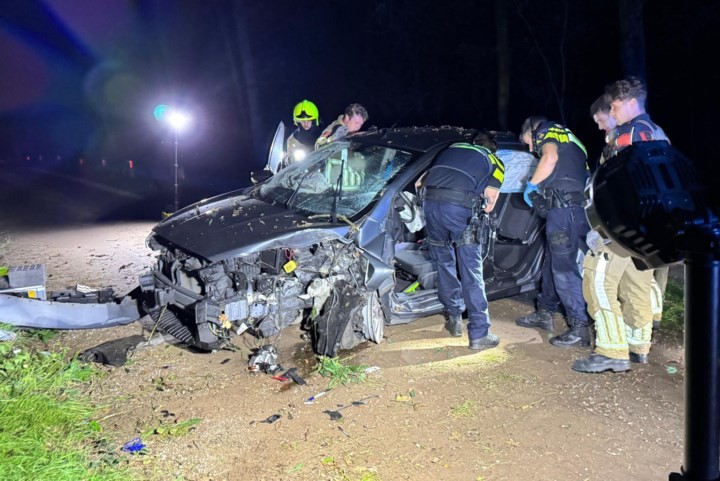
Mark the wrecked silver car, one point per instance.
(334, 242)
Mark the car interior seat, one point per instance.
(353, 174)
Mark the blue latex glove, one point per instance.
(529, 189)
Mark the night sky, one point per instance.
(80, 78)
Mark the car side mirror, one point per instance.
(260, 176)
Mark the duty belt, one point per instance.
(561, 199)
(459, 197)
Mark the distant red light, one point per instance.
(82, 161)
(130, 163)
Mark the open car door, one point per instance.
(275, 157)
(515, 256)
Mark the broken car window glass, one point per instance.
(355, 173)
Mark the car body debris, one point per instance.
(335, 414)
(269, 419)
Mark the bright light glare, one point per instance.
(177, 119)
(299, 154)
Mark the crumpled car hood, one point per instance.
(236, 223)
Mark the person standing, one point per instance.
(349, 122)
(621, 298)
(458, 190)
(555, 191)
(661, 275)
(301, 141)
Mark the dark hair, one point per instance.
(601, 104)
(628, 88)
(487, 140)
(356, 109)
(531, 123)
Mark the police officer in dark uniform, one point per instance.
(459, 189)
(555, 191)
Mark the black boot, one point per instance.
(453, 325)
(577, 335)
(599, 363)
(541, 319)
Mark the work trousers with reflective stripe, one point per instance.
(661, 278)
(621, 300)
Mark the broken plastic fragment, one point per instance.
(7, 335)
(334, 415)
(271, 419)
(133, 446)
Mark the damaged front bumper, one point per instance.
(39, 314)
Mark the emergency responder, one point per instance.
(661, 275)
(458, 190)
(600, 113)
(349, 122)
(555, 191)
(621, 299)
(302, 141)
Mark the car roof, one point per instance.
(424, 139)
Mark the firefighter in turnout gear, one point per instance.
(621, 299)
(458, 191)
(555, 192)
(302, 141)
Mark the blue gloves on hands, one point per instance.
(529, 189)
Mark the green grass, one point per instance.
(465, 409)
(46, 426)
(340, 372)
(172, 430)
(673, 318)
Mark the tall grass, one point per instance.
(673, 317)
(46, 430)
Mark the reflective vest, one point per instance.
(571, 169)
(466, 167)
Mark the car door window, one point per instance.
(519, 167)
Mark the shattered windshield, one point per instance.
(353, 173)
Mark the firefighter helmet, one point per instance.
(304, 111)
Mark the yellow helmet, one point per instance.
(304, 111)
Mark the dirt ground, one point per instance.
(434, 410)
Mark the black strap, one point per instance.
(452, 196)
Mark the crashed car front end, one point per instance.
(204, 303)
(272, 256)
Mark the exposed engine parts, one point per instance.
(204, 303)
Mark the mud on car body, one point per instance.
(334, 242)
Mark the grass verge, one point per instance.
(673, 317)
(46, 426)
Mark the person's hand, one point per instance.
(529, 189)
(593, 240)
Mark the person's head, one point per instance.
(354, 118)
(304, 113)
(528, 128)
(487, 140)
(627, 99)
(600, 111)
